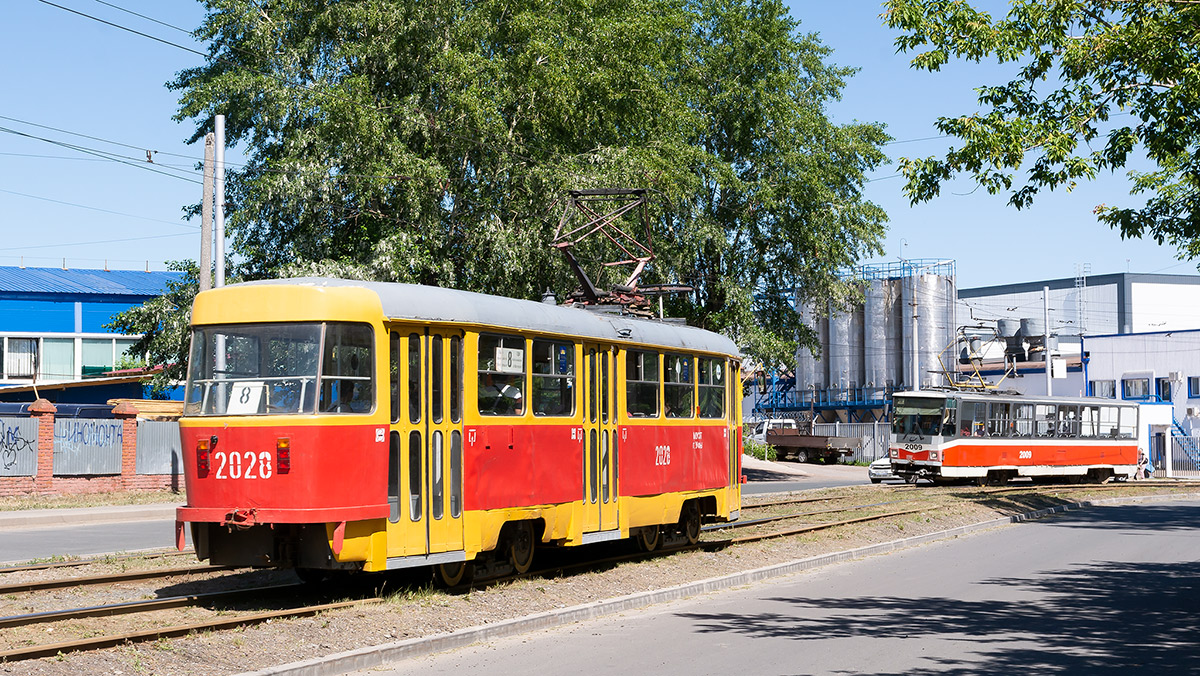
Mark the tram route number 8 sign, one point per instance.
(244, 397)
(510, 360)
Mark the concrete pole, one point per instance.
(206, 215)
(220, 198)
(1046, 338)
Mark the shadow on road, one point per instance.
(1098, 618)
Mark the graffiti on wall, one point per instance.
(14, 442)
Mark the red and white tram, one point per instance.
(955, 436)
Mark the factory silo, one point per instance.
(839, 350)
(875, 330)
(935, 296)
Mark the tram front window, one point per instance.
(919, 417)
(276, 369)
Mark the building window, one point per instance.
(21, 359)
(1194, 387)
(1135, 388)
(1162, 387)
(1105, 389)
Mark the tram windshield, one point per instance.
(280, 369)
(922, 416)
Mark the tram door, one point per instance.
(600, 448)
(426, 462)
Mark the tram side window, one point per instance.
(1046, 416)
(1129, 419)
(641, 383)
(1068, 421)
(678, 392)
(973, 417)
(1023, 419)
(553, 378)
(347, 382)
(1089, 421)
(501, 375)
(1110, 423)
(1000, 419)
(711, 373)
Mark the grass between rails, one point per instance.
(106, 499)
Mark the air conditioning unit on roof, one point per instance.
(1175, 377)
(1193, 412)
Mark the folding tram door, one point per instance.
(425, 464)
(599, 443)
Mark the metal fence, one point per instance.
(158, 447)
(87, 446)
(875, 437)
(1185, 456)
(18, 446)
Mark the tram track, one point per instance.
(110, 578)
(87, 561)
(217, 599)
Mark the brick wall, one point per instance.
(45, 483)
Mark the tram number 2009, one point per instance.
(662, 455)
(243, 465)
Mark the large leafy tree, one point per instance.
(1096, 81)
(430, 141)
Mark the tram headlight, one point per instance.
(283, 455)
(933, 455)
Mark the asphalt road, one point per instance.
(1104, 591)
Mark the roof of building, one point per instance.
(21, 281)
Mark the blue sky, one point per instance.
(74, 74)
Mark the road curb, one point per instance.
(374, 656)
(48, 518)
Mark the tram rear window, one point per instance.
(281, 369)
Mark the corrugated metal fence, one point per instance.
(18, 446)
(86, 446)
(158, 449)
(874, 435)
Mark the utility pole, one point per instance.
(206, 207)
(1046, 338)
(220, 198)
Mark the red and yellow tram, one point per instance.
(341, 425)
(956, 436)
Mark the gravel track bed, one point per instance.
(413, 611)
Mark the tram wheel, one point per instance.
(457, 574)
(689, 522)
(520, 547)
(649, 539)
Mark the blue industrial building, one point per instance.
(52, 324)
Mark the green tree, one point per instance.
(164, 324)
(429, 141)
(1096, 80)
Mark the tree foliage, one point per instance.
(430, 141)
(163, 322)
(1097, 80)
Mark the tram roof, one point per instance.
(437, 304)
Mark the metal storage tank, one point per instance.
(935, 297)
(806, 363)
(875, 326)
(839, 350)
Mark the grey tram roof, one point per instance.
(436, 304)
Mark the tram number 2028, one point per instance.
(662, 455)
(243, 465)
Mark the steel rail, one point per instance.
(132, 607)
(75, 563)
(51, 650)
(110, 578)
